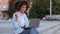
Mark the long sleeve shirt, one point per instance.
(18, 24)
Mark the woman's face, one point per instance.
(23, 8)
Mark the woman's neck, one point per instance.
(21, 12)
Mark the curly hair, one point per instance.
(19, 4)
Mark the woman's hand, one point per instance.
(16, 17)
(30, 3)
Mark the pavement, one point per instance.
(49, 27)
(45, 27)
(5, 27)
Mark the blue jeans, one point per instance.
(30, 31)
(33, 31)
(27, 31)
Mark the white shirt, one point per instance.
(22, 21)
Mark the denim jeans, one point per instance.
(27, 31)
(30, 31)
(33, 31)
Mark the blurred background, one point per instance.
(48, 11)
(39, 9)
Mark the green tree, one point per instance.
(11, 8)
(56, 6)
(39, 8)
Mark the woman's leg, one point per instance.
(27, 31)
(33, 31)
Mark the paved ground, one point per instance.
(49, 27)
(45, 27)
(5, 27)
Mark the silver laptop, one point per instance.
(34, 23)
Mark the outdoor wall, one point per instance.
(4, 6)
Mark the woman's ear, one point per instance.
(31, 3)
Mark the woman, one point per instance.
(20, 20)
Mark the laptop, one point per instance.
(34, 23)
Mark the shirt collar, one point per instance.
(20, 13)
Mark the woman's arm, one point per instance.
(16, 15)
(15, 23)
(30, 4)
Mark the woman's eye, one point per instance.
(24, 7)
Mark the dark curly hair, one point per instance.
(19, 4)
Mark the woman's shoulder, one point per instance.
(25, 15)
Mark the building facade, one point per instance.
(4, 6)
